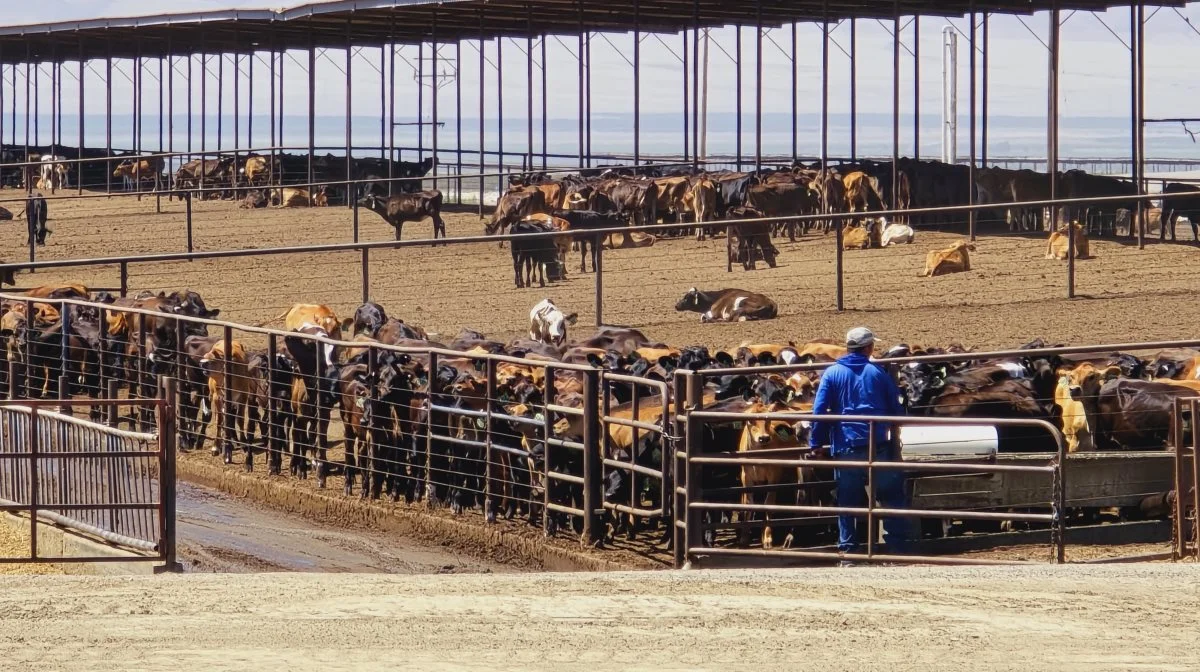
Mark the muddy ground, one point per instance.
(1012, 295)
(1011, 618)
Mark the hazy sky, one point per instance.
(1095, 67)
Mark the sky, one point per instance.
(1094, 63)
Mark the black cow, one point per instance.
(588, 220)
(369, 318)
(534, 254)
(1183, 206)
(36, 213)
(402, 208)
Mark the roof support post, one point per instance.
(349, 113)
(837, 225)
(983, 112)
(271, 176)
(482, 105)
(696, 153)
(637, 83)
(220, 102)
(758, 82)
(895, 102)
(579, 79)
(250, 97)
(1052, 141)
(795, 97)
(170, 112)
(312, 99)
(972, 216)
(458, 164)
(916, 87)
(1139, 167)
(587, 79)
(545, 106)
(737, 54)
(433, 92)
(686, 92)
(500, 113)
(420, 100)
(108, 96)
(853, 89)
(78, 154)
(383, 102)
(529, 87)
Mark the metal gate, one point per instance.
(116, 487)
(1186, 509)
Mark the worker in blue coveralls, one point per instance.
(855, 385)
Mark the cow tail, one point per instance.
(273, 319)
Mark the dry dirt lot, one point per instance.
(1013, 295)
(1068, 618)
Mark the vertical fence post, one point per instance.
(166, 476)
(547, 460)
(32, 439)
(598, 267)
(64, 363)
(1195, 481)
(1180, 507)
(694, 438)
(354, 207)
(366, 273)
(274, 428)
(187, 209)
(872, 533)
(489, 460)
(592, 490)
(429, 433)
(124, 278)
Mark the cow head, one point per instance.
(691, 301)
(768, 432)
(922, 382)
(7, 276)
(1084, 381)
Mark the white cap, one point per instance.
(859, 337)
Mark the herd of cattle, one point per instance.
(420, 429)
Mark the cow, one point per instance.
(369, 318)
(895, 233)
(290, 197)
(862, 192)
(783, 200)
(36, 213)
(732, 190)
(1137, 414)
(953, 259)
(861, 237)
(133, 171)
(548, 324)
(230, 371)
(257, 170)
(579, 222)
(1058, 245)
(53, 173)
(255, 198)
(513, 207)
(637, 200)
(750, 241)
(701, 201)
(1182, 206)
(415, 207)
(204, 173)
(727, 305)
(769, 434)
(533, 255)
(1076, 396)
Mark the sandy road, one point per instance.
(1012, 618)
(220, 533)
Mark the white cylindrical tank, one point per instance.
(974, 441)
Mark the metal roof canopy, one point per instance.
(379, 22)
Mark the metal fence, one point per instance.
(565, 446)
(108, 484)
(1186, 507)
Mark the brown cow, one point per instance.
(300, 198)
(514, 206)
(783, 200)
(701, 201)
(769, 435)
(134, 171)
(1058, 246)
(953, 259)
(217, 366)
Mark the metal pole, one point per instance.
(500, 112)
(170, 163)
(697, 151)
(366, 268)
(220, 102)
(637, 83)
(598, 268)
(795, 95)
(529, 87)
(458, 165)
(758, 80)
(916, 87)
(841, 304)
(383, 102)
(687, 57)
(312, 100)
(349, 115)
(271, 176)
(166, 490)
(545, 105)
(79, 154)
(737, 54)
(391, 143)
(1134, 123)
(250, 98)
(972, 217)
(482, 112)
(433, 93)
(1052, 153)
(983, 146)
(853, 88)
(587, 80)
(895, 102)
(592, 472)
(421, 100)
(1141, 124)
(579, 52)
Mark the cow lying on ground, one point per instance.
(300, 198)
(895, 234)
(728, 305)
(953, 259)
(401, 208)
(255, 198)
(548, 324)
(1058, 246)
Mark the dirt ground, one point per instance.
(869, 618)
(13, 544)
(1012, 295)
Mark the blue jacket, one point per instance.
(854, 386)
